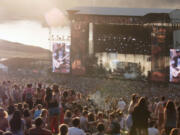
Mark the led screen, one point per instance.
(61, 57)
(175, 65)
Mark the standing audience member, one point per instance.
(28, 95)
(170, 116)
(27, 120)
(40, 94)
(159, 112)
(17, 124)
(91, 123)
(55, 106)
(122, 120)
(16, 94)
(140, 117)
(3, 120)
(101, 129)
(75, 129)
(38, 111)
(38, 129)
(114, 126)
(44, 116)
(53, 109)
(100, 119)
(152, 130)
(68, 117)
(121, 104)
(84, 121)
(132, 103)
(63, 129)
(11, 110)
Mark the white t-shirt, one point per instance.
(75, 131)
(153, 131)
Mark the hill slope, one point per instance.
(11, 50)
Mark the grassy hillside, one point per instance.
(11, 50)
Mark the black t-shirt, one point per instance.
(140, 117)
(53, 104)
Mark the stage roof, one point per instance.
(117, 11)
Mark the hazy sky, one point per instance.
(35, 9)
(20, 20)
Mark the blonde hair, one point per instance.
(3, 113)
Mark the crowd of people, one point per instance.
(51, 109)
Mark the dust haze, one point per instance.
(35, 9)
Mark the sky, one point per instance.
(29, 33)
(23, 20)
(35, 9)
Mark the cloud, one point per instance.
(55, 18)
(36, 9)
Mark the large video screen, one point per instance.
(79, 48)
(159, 55)
(175, 65)
(61, 57)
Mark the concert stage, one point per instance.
(128, 42)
